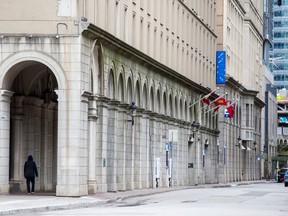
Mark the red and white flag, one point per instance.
(205, 99)
(230, 110)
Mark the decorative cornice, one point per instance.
(251, 23)
(232, 83)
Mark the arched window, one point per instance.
(158, 102)
(137, 94)
(120, 88)
(181, 110)
(186, 112)
(129, 91)
(176, 108)
(152, 100)
(111, 87)
(164, 104)
(171, 106)
(145, 97)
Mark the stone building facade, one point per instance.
(240, 34)
(69, 75)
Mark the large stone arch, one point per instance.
(25, 57)
(10, 69)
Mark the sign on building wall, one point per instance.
(66, 8)
(173, 135)
(220, 67)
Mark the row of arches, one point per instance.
(163, 97)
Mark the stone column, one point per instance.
(112, 146)
(48, 146)
(130, 145)
(16, 133)
(5, 97)
(101, 145)
(72, 170)
(138, 146)
(92, 118)
(151, 163)
(145, 149)
(121, 147)
(174, 152)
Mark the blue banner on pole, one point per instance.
(220, 67)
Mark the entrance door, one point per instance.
(33, 126)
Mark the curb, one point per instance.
(54, 208)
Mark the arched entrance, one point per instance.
(33, 125)
(29, 119)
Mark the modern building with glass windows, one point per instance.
(279, 65)
(279, 53)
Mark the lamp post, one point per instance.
(239, 141)
(195, 125)
(255, 159)
(132, 107)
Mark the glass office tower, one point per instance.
(279, 53)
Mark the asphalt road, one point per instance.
(255, 200)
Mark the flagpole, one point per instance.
(220, 105)
(204, 97)
(221, 96)
(215, 113)
(212, 109)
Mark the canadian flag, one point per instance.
(205, 99)
(230, 110)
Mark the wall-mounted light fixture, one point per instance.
(191, 138)
(239, 143)
(206, 142)
(132, 108)
(255, 145)
(57, 28)
(195, 125)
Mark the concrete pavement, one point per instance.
(39, 202)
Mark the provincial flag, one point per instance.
(220, 101)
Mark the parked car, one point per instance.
(281, 174)
(286, 179)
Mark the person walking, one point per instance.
(30, 171)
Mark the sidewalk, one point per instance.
(23, 203)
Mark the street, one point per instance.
(255, 199)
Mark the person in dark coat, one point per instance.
(30, 171)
